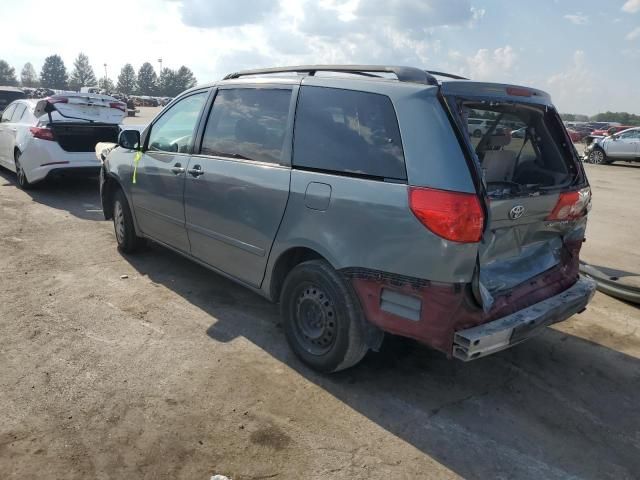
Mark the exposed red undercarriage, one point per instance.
(447, 308)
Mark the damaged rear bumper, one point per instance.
(482, 340)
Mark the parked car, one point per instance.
(624, 145)
(609, 130)
(477, 126)
(57, 135)
(377, 216)
(8, 95)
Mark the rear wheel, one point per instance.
(23, 183)
(323, 320)
(126, 237)
(598, 157)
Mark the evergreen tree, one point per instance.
(167, 86)
(82, 75)
(127, 80)
(105, 83)
(28, 76)
(7, 74)
(185, 79)
(147, 79)
(54, 73)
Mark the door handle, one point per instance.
(196, 171)
(177, 169)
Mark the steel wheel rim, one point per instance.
(118, 222)
(315, 320)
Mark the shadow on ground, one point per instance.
(555, 407)
(78, 196)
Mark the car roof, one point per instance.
(11, 89)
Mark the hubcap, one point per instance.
(118, 222)
(315, 320)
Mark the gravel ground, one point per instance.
(174, 372)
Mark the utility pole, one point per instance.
(160, 62)
(105, 71)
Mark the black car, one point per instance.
(8, 95)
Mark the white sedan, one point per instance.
(56, 136)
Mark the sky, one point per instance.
(585, 53)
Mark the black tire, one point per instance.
(477, 133)
(128, 241)
(21, 177)
(322, 317)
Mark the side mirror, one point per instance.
(129, 139)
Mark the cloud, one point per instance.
(225, 13)
(578, 18)
(491, 65)
(572, 87)
(631, 6)
(633, 34)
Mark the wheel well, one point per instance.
(285, 263)
(109, 188)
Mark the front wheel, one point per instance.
(323, 319)
(128, 241)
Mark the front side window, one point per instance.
(174, 131)
(248, 124)
(346, 131)
(634, 134)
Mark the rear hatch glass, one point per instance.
(527, 169)
(88, 107)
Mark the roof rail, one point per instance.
(447, 75)
(404, 74)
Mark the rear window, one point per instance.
(523, 149)
(346, 131)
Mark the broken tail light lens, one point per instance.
(41, 133)
(572, 205)
(454, 216)
(118, 105)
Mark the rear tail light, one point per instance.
(454, 216)
(519, 92)
(41, 133)
(119, 105)
(58, 100)
(572, 205)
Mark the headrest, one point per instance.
(500, 140)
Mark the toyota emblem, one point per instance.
(516, 212)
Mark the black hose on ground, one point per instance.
(610, 285)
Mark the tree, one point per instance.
(173, 82)
(185, 78)
(127, 80)
(147, 79)
(82, 75)
(54, 73)
(28, 76)
(167, 83)
(7, 74)
(105, 83)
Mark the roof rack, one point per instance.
(404, 74)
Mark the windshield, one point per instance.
(521, 148)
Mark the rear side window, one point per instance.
(346, 131)
(19, 112)
(248, 123)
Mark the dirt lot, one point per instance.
(175, 372)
